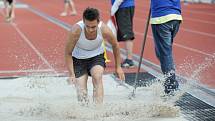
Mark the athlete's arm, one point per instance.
(108, 35)
(73, 37)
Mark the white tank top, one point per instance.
(85, 48)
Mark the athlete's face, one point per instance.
(91, 26)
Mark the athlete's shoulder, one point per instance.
(75, 28)
(104, 28)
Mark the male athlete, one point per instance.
(84, 55)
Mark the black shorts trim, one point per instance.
(66, 1)
(124, 19)
(83, 66)
(10, 1)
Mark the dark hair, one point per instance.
(91, 14)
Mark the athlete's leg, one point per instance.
(81, 87)
(98, 92)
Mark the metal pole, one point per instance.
(141, 55)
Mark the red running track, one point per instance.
(35, 44)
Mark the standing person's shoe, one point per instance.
(171, 85)
(8, 19)
(74, 13)
(63, 14)
(127, 63)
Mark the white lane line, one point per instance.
(145, 7)
(194, 50)
(181, 46)
(67, 27)
(185, 10)
(157, 74)
(187, 30)
(24, 71)
(33, 47)
(146, 68)
(50, 19)
(197, 20)
(185, 18)
(17, 5)
(199, 12)
(198, 32)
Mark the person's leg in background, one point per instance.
(9, 10)
(12, 9)
(68, 4)
(124, 19)
(72, 6)
(6, 5)
(129, 49)
(163, 37)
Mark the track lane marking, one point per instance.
(30, 44)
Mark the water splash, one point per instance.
(193, 71)
(51, 99)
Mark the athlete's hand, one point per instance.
(120, 73)
(71, 80)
